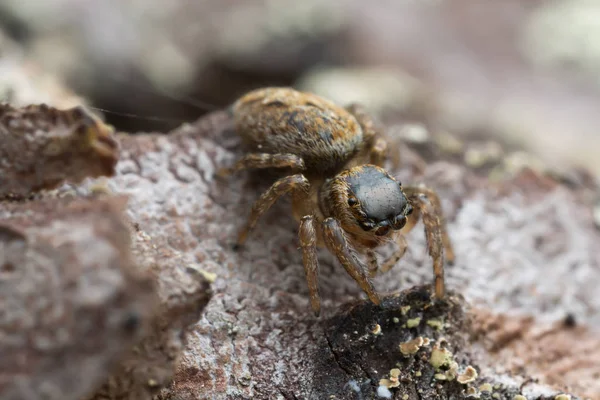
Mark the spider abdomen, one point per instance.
(282, 120)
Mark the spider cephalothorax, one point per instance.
(341, 196)
(367, 200)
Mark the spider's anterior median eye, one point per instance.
(383, 230)
(352, 201)
(399, 222)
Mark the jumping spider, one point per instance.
(341, 196)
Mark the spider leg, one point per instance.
(377, 146)
(379, 151)
(396, 255)
(336, 242)
(264, 160)
(432, 196)
(390, 261)
(373, 263)
(281, 187)
(428, 204)
(308, 242)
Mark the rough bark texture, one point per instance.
(80, 298)
(525, 246)
(102, 286)
(42, 147)
(564, 354)
(183, 293)
(72, 297)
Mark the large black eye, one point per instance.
(352, 201)
(382, 230)
(399, 221)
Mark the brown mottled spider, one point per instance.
(341, 195)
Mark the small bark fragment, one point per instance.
(43, 147)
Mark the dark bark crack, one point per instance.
(336, 358)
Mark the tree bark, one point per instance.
(526, 260)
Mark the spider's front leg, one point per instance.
(427, 204)
(308, 242)
(396, 255)
(264, 160)
(374, 267)
(336, 242)
(285, 185)
(373, 263)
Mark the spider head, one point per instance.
(370, 200)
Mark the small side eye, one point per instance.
(367, 225)
(352, 201)
(409, 209)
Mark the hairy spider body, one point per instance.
(280, 121)
(341, 196)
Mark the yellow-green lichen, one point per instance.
(376, 330)
(436, 324)
(563, 397)
(440, 377)
(393, 380)
(209, 276)
(452, 372)
(468, 376)
(100, 187)
(440, 357)
(414, 322)
(412, 346)
(388, 383)
(486, 387)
